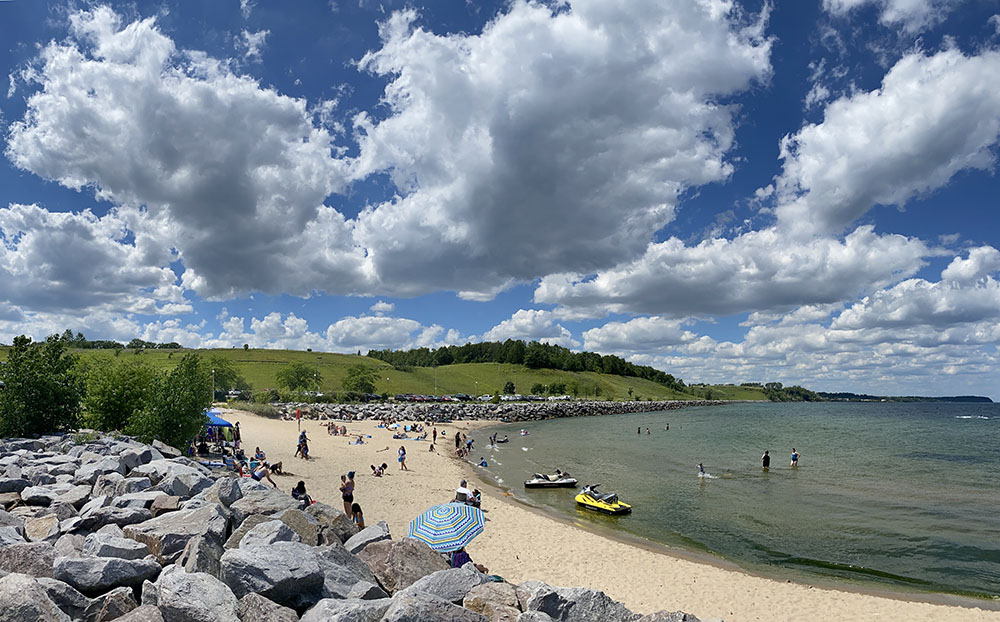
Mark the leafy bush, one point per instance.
(298, 376)
(360, 379)
(116, 391)
(42, 391)
(175, 412)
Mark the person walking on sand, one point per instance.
(795, 458)
(765, 460)
(402, 458)
(435, 436)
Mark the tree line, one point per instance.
(81, 342)
(534, 355)
(47, 390)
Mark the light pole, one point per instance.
(477, 388)
(387, 390)
(435, 380)
(213, 387)
(318, 359)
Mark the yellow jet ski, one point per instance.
(606, 502)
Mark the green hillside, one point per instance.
(259, 367)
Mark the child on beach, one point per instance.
(402, 458)
(357, 516)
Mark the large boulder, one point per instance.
(251, 521)
(42, 529)
(9, 520)
(268, 533)
(69, 600)
(166, 450)
(303, 524)
(343, 571)
(399, 563)
(168, 534)
(349, 610)
(105, 545)
(145, 613)
(194, 597)
(135, 484)
(372, 533)
(13, 484)
(31, 558)
(88, 473)
(164, 504)
(96, 575)
(426, 608)
(202, 554)
(255, 608)
(228, 491)
(452, 584)
(142, 499)
(334, 523)
(184, 484)
(112, 605)
(575, 603)
(286, 572)
(113, 516)
(22, 599)
(44, 494)
(269, 501)
(70, 545)
(10, 535)
(490, 597)
(109, 484)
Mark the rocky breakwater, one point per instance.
(112, 529)
(505, 411)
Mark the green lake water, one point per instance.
(900, 495)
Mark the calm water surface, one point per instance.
(901, 494)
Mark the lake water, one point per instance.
(902, 495)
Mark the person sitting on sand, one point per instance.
(263, 472)
(299, 494)
(357, 516)
(462, 493)
(259, 454)
(378, 471)
(460, 558)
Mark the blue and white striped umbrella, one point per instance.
(448, 527)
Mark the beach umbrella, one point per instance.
(448, 527)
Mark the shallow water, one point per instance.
(901, 494)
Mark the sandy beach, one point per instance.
(521, 544)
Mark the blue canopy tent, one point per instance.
(218, 425)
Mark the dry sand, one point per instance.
(521, 544)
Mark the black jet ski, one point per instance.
(606, 502)
(541, 480)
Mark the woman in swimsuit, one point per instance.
(347, 493)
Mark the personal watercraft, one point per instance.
(606, 502)
(541, 480)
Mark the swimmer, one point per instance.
(765, 460)
(701, 469)
(795, 458)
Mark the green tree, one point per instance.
(175, 412)
(42, 390)
(361, 379)
(509, 388)
(298, 376)
(226, 375)
(116, 392)
(538, 388)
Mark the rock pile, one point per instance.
(506, 411)
(112, 529)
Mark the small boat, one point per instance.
(559, 480)
(606, 502)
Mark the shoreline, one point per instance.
(522, 542)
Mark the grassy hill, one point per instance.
(259, 367)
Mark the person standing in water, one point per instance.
(647, 430)
(795, 458)
(765, 460)
(701, 470)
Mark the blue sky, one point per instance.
(802, 192)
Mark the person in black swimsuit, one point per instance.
(765, 460)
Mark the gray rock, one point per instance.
(23, 599)
(164, 504)
(145, 613)
(399, 563)
(334, 524)
(31, 558)
(117, 516)
(268, 501)
(95, 575)
(148, 592)
(255, 608)
(88, 473)
(166, 450)
(60, 509)
(94, 504)
(45, 494)
(111, 606)
(69, 545)
(141, 499)
(132, 485)
(268, 533)
(9, 500)
(109, 484)
(202, 554)
(286, 572)
(341, 571)
(372, 533)
(194, 597)
(502, 613)
(427, 608)
(576, 604)
(76, 496)
(533, 616)
(229, 491)
(366, 590)
(668, 616)
(301, 523)
(12, 484)
(9, 520)
(491, 597)
(350, 610)
(168, 534)
(184, 484)
(452, 584)
(111, 530)
(69, 600)
(10, 535)
(251, 521)
(42, 529)
(104, 545)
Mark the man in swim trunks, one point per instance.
(765, 460)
